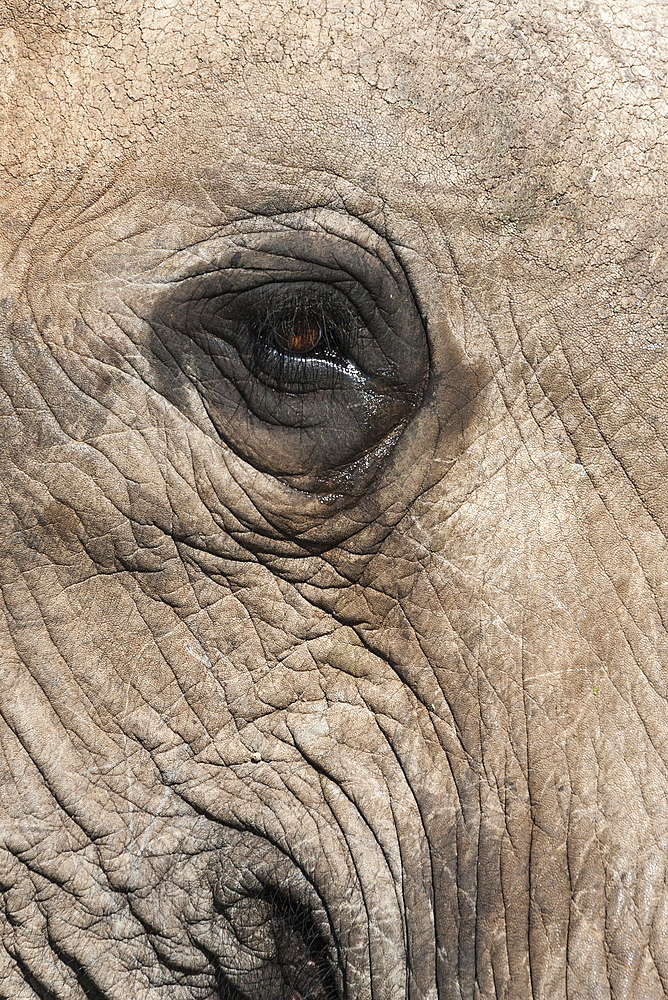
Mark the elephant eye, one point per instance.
(293, 338)
(300, 337)
(279, 954)
(307, 352)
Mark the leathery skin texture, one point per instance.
(333, 559)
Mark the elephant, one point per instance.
(333, 568)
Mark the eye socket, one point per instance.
(306, 350)
(279, 954)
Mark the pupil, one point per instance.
(298, 339)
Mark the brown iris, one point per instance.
(298, 339)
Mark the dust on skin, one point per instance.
(433, 717)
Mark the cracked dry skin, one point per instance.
(333, 560)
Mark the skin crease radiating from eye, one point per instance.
(333, 500)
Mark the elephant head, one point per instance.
(333, 561)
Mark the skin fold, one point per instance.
(285, 715)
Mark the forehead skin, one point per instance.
(510, 107)
(544, 119)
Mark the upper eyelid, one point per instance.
(218, 293)
(372, 281)
(343, 256)
(206, 280)
(191, 300)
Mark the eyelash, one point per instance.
(299, 336)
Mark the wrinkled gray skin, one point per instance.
(399, 730)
